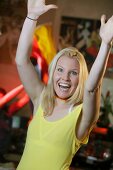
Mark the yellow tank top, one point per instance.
(51, 145)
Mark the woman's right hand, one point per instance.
(38, 7)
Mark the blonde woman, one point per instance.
(68, 107)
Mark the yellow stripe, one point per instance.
(43, 34)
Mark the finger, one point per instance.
(103, 19)
(51, 6)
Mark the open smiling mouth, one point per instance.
(64, 86)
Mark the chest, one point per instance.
(54, 131)
(59, 113)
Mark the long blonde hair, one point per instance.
(48, 94)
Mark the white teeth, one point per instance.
(64, 85)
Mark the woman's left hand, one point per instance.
(106, 29)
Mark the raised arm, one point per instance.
(92, 92)
(27, 73)
(99, 67)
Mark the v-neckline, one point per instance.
(60, 119)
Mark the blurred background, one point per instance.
(74, 23)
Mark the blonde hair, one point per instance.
(48, 94)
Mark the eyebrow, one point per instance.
(75, 69)
(58, 66)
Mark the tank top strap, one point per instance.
(71, 107)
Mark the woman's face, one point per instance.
(66, 77)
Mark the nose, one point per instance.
(66, 76)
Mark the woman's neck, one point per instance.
(63, 104)
(59, 101)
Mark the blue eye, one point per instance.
(60, 69)
(73, 73)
